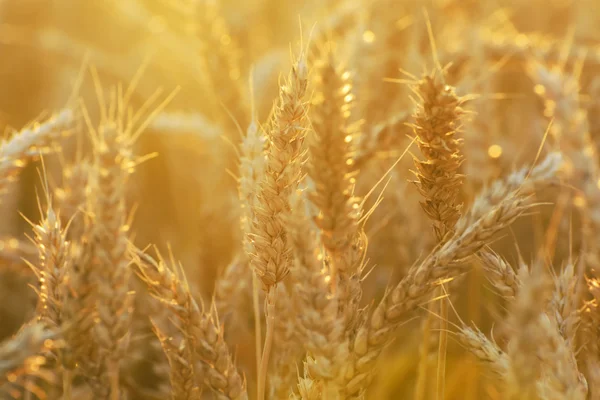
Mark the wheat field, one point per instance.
(320, 199)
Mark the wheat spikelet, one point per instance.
(317, 193)
(70, 198)
(560, 377)
(525, 180)
(563, 307)
(501, 274)
(233, 289)
(486, 350)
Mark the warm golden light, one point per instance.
(368, 36)
(495, 151)
(264, 200)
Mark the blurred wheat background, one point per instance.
(419, 216)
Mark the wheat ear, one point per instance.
(112, 166)
(201, 329)
(270, 257)
(53, 270)
(422, 280)
(437, 120)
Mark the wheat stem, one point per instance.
(67, 384)
(257, 321)
(443, 339)
(113, 373)
(264, 363)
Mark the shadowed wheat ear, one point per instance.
(486, 350)
(182, 370)
(327, 283)
(220, 57)
(235, 281)
(542, 365)
(53, 271)
(559, 90)
(331, 167)
(201, 330)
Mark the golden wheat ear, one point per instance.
(200, 328)
(270, 250)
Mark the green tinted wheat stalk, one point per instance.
(320, 319)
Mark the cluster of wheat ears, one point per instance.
(407, 206)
